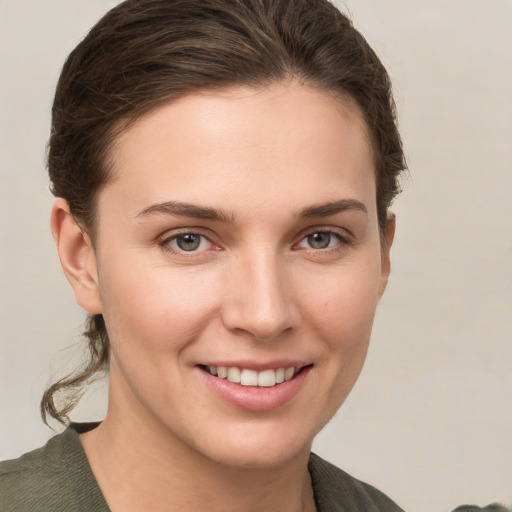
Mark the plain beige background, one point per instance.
(430, 421)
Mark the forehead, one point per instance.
(222, 145)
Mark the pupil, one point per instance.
(188, 242)
(319, 240)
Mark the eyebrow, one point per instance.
(178, 208)
(331, 208)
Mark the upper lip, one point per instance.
(259, 366)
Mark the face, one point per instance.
(239, 240)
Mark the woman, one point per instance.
(223, 173)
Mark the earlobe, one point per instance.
(77, 257)
(385, 251)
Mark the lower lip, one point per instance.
(254, 398)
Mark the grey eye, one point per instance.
(319, 240)
(188, 242)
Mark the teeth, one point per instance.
(249, 378)
(233, 375)
(246, 377)
(267, 378)
(288, 374)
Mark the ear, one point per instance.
(389, 236)
(77, 257)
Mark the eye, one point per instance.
(321, 240)
(187, 242)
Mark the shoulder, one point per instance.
(495, 507)
(27, 481)
(52, 478)
(337, 491)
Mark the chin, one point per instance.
(260, 458)
(257, 450)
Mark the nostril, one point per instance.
(260, 304)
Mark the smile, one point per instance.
(246, 377)
(245, 386)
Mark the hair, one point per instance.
(144, 53)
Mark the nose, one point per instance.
(260, 301)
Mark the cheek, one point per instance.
(340, 312)
(342, 305)
(155, 310)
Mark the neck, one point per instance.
(141, 466)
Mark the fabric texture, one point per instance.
(58, 478)
(54, 478)
(336, 491)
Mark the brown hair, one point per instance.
(144, 53)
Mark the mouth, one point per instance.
(252, 378)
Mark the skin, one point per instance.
(254, 290)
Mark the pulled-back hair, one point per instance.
(144, 53)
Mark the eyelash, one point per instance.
(165, 243)
(344, 240)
